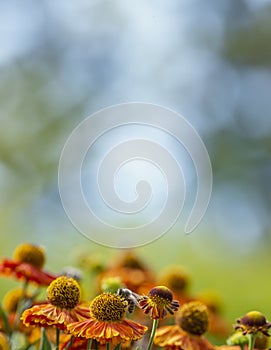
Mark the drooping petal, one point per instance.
(47, 315)
(173, 337)
(103, 332)
(25, 271)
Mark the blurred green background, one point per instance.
(61, 61)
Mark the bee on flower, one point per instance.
(159, 302)
(107, 323)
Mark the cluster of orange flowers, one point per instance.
(165, 315)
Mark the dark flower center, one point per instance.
(161, 294)
(193, 318)
(64, 292)
(108, 307)
(253, 319)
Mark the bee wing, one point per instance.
(136, 297)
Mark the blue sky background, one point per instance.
(61, 61)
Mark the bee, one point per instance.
(129, 296)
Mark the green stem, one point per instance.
(44, 342)
(25, 285)
(251, 341)
(118, 347)
(89, 344)
(242, 346)
(6, 324)
(96, 345)
(107, 346)
(69, 343)
(20, 306)
(154, 327)
(28, 346)
(57, 338)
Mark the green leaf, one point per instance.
(4, 318)
(45, 343)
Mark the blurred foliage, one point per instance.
(212, 65)
(248, 40)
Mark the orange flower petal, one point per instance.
(173, 337)
(48, 315)
(103, 332)
(26, 271)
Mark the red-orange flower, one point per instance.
(174, 338)
(227, 347)
(63, 296)
(159, 302)
(107, 323)
(27, 265)
(177, 280)
(76, 343)
(192, 322)
(217, 325)
(73, 343)
(132, 272)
